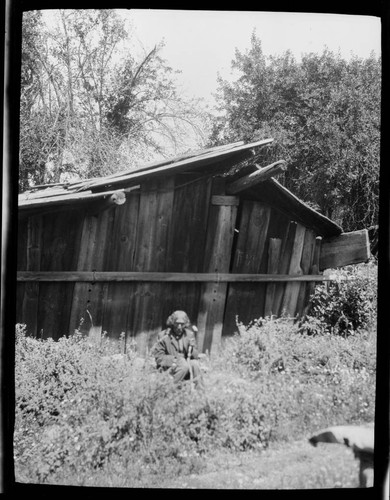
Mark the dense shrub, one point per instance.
(82, 407)
(305, 382)
(79, 409)
(345, 304)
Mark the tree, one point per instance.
(324, 113)
(90, 106)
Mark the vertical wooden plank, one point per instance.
(21, 266)
(187, 241)
(60, 242)
(79, 318)
(246, 300)
(96, 259)
(273, 264)
(33, 263)
(188, 229)
(284, 262)
(120, 257)
(291, 292)
(306, 263)
(151, 254)
(314, 269)
(220, 232)
(89, 298)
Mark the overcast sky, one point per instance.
(202, 43)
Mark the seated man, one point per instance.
(176, 349)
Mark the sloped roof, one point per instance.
(211, 159)
(59, 193)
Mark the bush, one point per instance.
(79, 409)
(346, 304)
(305, 382)
(82, 407)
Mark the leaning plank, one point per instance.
(291, 292)
(273, 261)
(220, 232)
(314, 271)
(346, 249)
(259, 175)
(122, 276)
(284, 262)
(306, 264)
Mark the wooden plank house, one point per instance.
(211, 232)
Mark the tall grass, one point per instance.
(82, 409)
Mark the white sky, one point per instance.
(202, 43)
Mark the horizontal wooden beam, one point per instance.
(113, 197)
(108, 276)
(259, 175)
(225, 200)
(344, 250)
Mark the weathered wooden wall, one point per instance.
(179, 224)
(268, 243)
(162, 228)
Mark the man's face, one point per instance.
(179, 325)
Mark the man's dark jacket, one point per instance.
(167, 348)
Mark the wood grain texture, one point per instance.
(120, 259)
(306, 265)
(284, 263)
(254, 178)
(151, 254)
(60, 247)
(274, 248)
(89, 298)
(21, 265)
(245, 300)
(314, 270)
(188, 229)
(291, 292)
(32, 261)
(163, 277)
(220, 232)
(346, 249)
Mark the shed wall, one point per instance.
(160, 228)
(177, 224)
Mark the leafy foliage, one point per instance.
(306, 382)
(83, 408)
(345, 304)
(90, 106)
(324, 113)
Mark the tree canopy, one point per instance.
(89, 105)
(324, 113)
